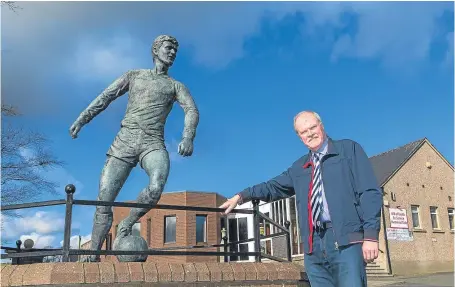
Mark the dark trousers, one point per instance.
(329, 266)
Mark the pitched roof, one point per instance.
(385, 164)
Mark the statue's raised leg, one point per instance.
(156, 164)
(113, 176)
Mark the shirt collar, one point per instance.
(323, 149)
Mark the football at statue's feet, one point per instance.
(130, 242)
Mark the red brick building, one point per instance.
(163, 228)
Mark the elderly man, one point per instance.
(152, 94)
(338, 202)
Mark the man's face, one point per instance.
(310, 131)
(167, 53)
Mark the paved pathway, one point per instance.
(434, 280)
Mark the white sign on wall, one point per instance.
(398, 218)
(399, 234)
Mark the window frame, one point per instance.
(450, 212)
(418, 216)
(438, 226)
(175, 229)
(205, 235)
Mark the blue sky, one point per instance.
(378, 73)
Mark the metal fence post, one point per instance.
(225, 243)
(17, 261)
(69, 189)
(288, 240)
(257, 234)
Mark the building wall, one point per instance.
(431, 250)
(185, 225)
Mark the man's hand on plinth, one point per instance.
(230, 204)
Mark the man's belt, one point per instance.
(323, 225)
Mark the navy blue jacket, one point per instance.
(353, 196)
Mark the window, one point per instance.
(415, 216)
(108, 241)
(201, 228)
(169, 229)
(149, 231)
(450, 211)
(434, 217)
(238, 230)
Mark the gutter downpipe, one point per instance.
(385, 237)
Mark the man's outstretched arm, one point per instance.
(279, 187)
(118, 88)
(188, 105)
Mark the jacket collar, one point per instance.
(331, 151)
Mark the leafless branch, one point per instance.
(11, 5)
(25, 159)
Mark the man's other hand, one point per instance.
(370, 251)
(230, 204)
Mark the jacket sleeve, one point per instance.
(276, 188)
(369, 193)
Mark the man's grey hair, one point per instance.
(316, 115)
(159, 42)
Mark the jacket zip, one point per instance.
(322, 179)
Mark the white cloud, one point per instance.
(41, 222)
(385, 31)
(105, 60)
(40, 241)
(101, 40)
(26, 153)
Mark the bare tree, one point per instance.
(25, 158)
(11, 5)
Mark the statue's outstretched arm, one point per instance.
(118, 88)
(188, 105)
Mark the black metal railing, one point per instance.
(16, 253)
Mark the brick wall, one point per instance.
(431, 250)
(154, 274)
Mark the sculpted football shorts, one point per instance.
(131, 145)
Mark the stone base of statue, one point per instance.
(127, 243)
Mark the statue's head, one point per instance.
(164, 49)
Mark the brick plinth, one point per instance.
(176, 274)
